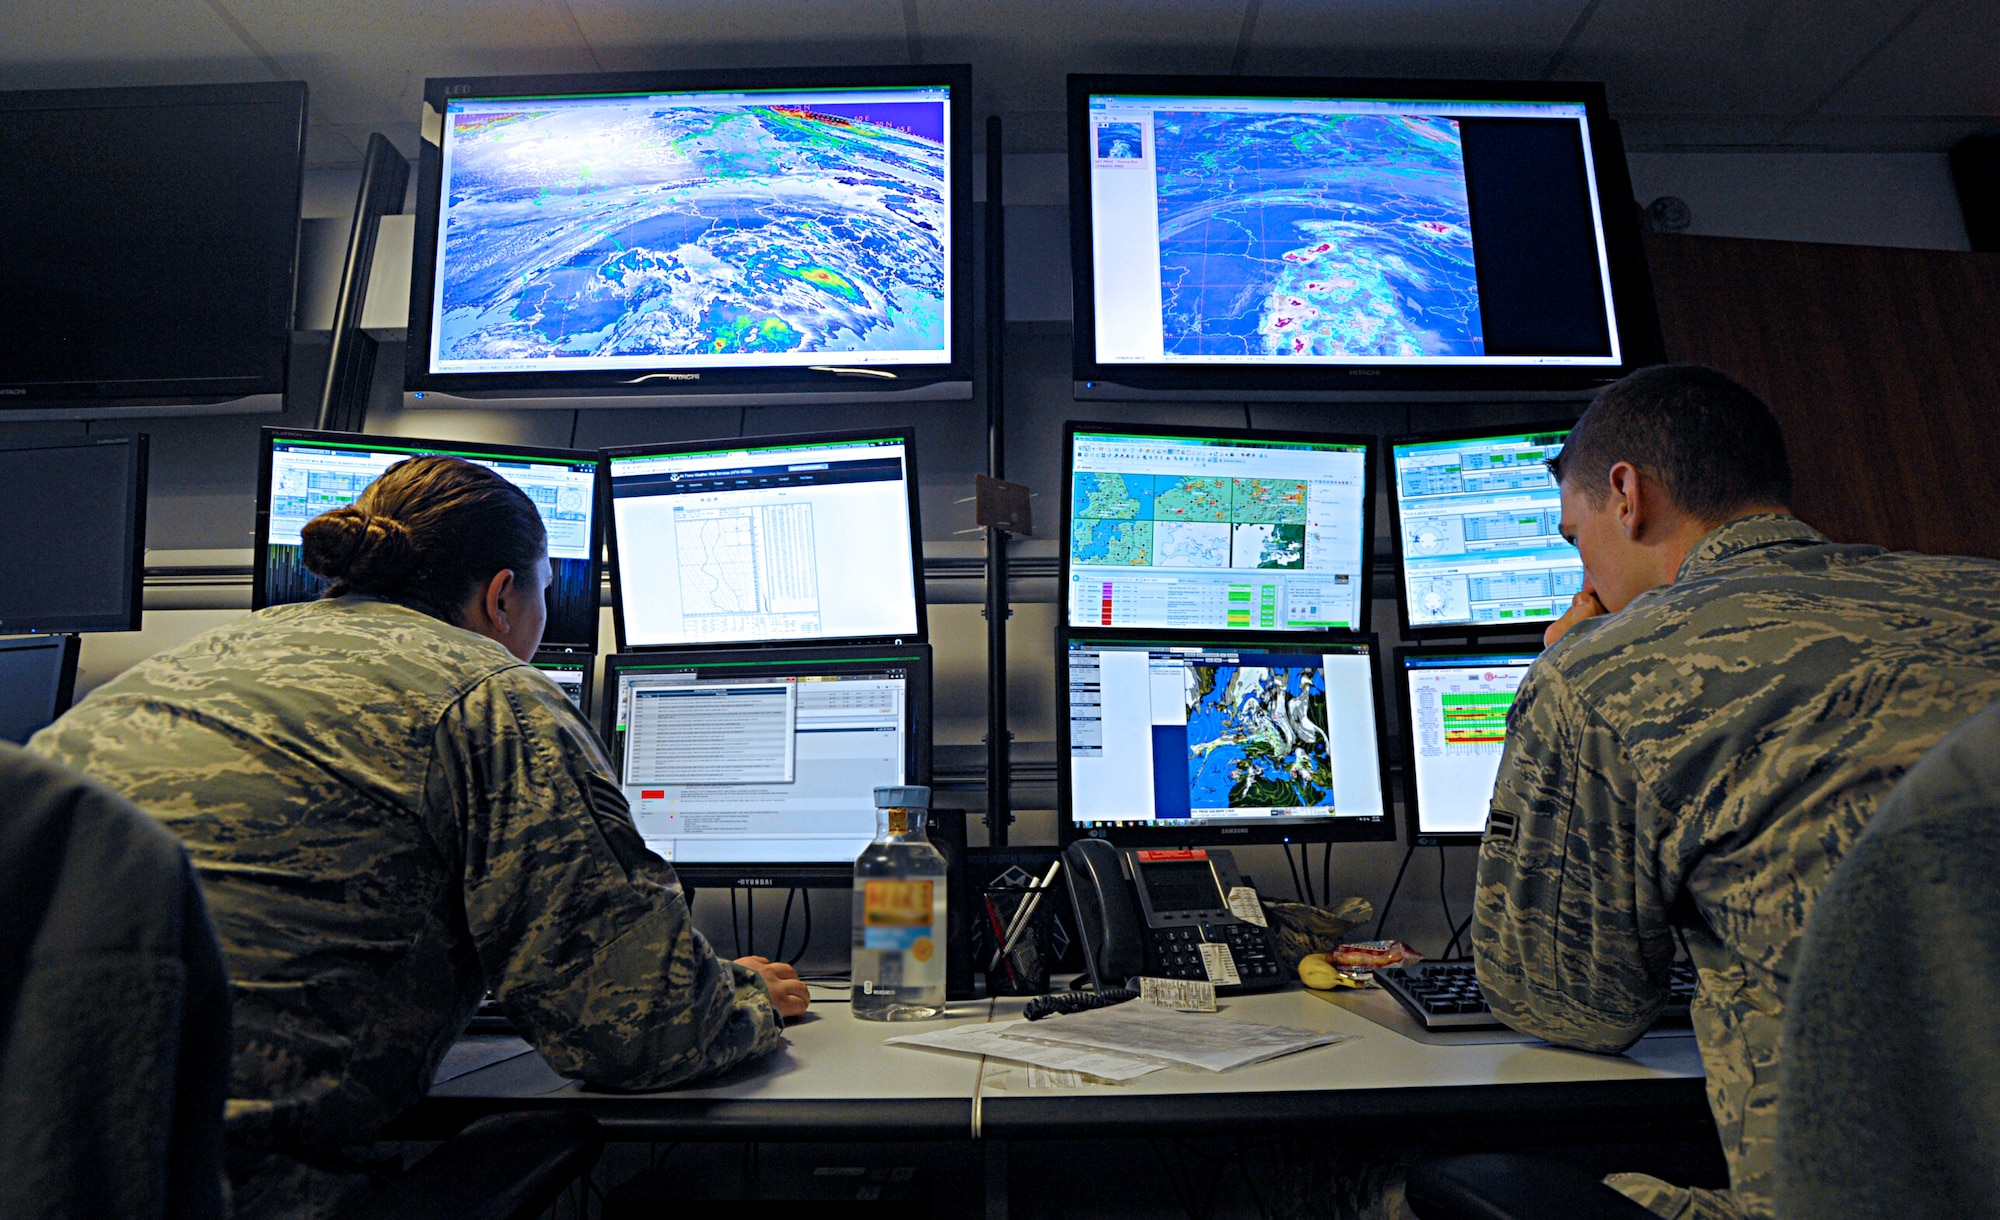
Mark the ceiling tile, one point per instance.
(94, 43)
(1726, 56)
(640, 35)
(1947, 62)
(1466, 38)
(366, 60)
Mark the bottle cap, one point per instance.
(911, 796)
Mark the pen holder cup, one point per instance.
(1003, 924)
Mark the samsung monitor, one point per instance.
(1454, 705)
(767, 540)
(73, 534)
(1479, 542)
(1241, 237)
(1231, 739)
(151, 248)
(570, 671)
(37, 680)
(760, 768)
(303, 474)
(681, 235)
(1208, 530)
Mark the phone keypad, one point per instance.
(1177, 953)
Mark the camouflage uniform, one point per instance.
(1700, 761)
(390, 816)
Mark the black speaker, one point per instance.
(1975, 167)
(947, 834)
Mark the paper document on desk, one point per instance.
(991, 1041)
(1148, 1032)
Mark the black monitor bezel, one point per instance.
(570, 658)
(905, 433)
(1380, 829)
(1369, 443)
(669, 379)
(1448, 631)
(171, 391)
(1407, 730)
(917, 751)
(1631, 284)
(67, 647)
(132, 597)
(419, 447)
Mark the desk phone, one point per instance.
(1151, 913)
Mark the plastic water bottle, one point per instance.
(899, 919)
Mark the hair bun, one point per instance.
(363, 552)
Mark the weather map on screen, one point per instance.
(712, 229)
(1314, 235)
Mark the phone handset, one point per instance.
(1107, 913)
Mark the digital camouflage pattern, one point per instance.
(390, 816)
(1700, 761)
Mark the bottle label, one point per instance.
(897, 916)
(899, 821)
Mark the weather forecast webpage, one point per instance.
(1481, 524)
(1204, 736)
(694, 230)
(765, 768)
(1458, 720)
(1295, 230)
(1209, 532)
(752, 545)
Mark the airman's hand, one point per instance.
(788, 992)
(1584, 605)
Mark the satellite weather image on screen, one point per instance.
(693, 229)
(1257, 738)
(1314, 235)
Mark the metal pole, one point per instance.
(999, 812)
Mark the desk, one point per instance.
(836, 1080)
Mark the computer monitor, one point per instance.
(793, 232)
(769, 539)
(152, 244)
(1231, 739)
(303, 474)
(1209, 530)
(1297, 238)
(73, 534)
(1454, 705)
(760, 767)
(37, 681)
(571, 672)
(1479, 542)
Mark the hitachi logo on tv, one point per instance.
(14, 391)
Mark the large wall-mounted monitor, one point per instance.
(1479, 543)
(303, 474)
(1210, 530)
(73, 534)
(1225, 740)
(760, 768)
(151, 247)
(1455, 704)
(785, 234)
(774, 539)
(1240, 237)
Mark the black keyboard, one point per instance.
(1445, 995)
(1176, 953)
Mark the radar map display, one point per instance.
(623, 232)
(1314, 235)
(1257, 738)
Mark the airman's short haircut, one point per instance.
(1710, 442)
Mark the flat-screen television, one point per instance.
(767, 540)
(760, 767)
(1226, 739)
(151, 245)
(1479, 545)
(679, 235)
(304, 473)
(1242, 237)
(1212, 530)
(1455, 703)
(72, 534)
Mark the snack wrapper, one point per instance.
(1372, 955)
